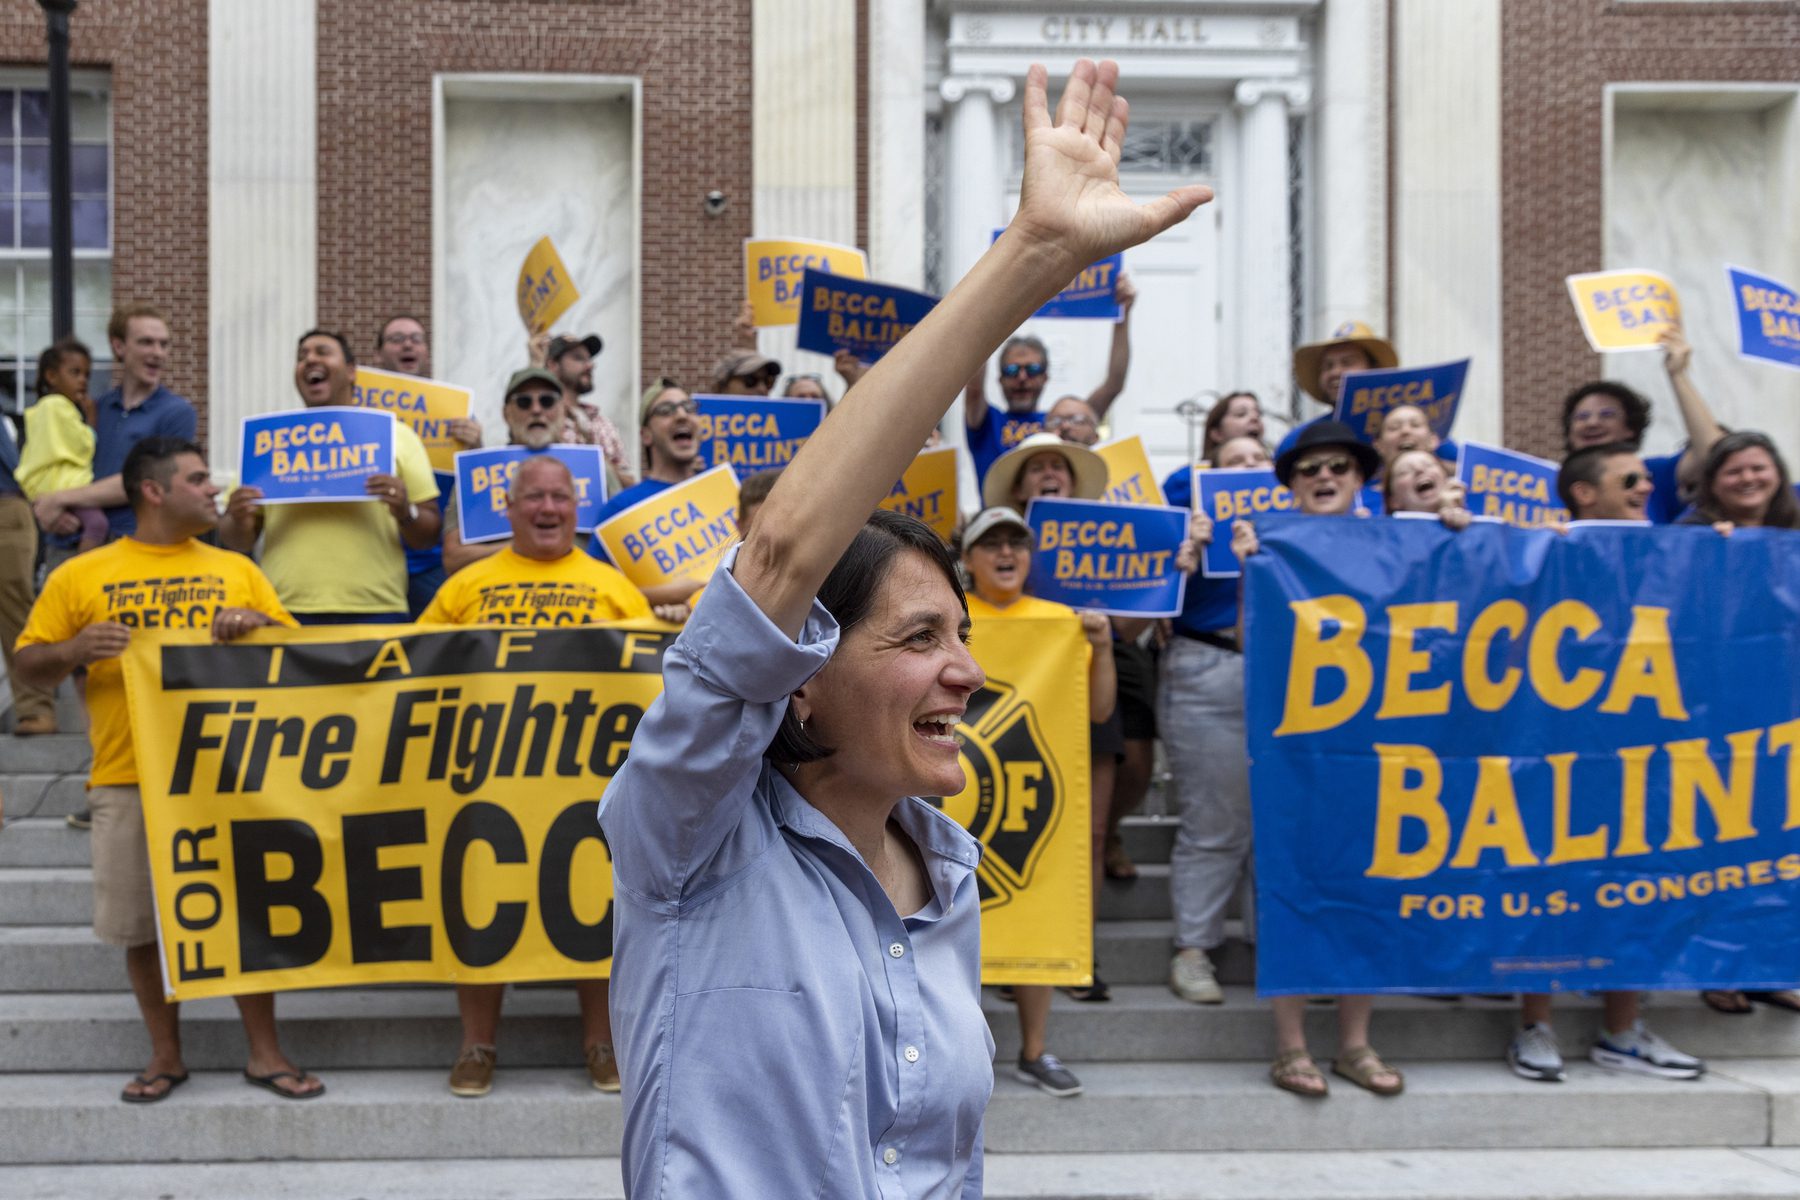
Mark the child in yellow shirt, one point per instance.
(58, 449)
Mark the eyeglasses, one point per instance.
(1031, 370)
(526, 401)
(404, 339)
(1018, 543)
(1337, 466)
(1058, 422)
(669, 408)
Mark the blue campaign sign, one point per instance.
(1366, 397)
(1768, 314)
(754, 433)
(1114, 558)
(313, 455)
(482, 477)
(1515, 489)
(1508, 760)
(1227, 495)
(867, 319)
(1089, 296)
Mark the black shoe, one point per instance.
(1094, 993)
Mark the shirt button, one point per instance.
(890, 1156)
(912, 1054)
(897, 950)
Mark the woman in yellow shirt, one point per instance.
(58, 451)
(996, 558)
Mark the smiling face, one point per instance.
(1622, 493)
(1746, 481)
(144, 351)
(1325, 481)
(1029, 372)
(1046, 473)
(1337, 362)
(1241, 452)
(1416, 482)
(1404, 428)
(322, 374)
(999, 564)
(1598, 420)
(890, 698)
(534, 414)
(402, 347)
(540, 507)
(671, 430)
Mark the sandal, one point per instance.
(1787, 999)
(1118, 864)
(1294, 1071)
(1731, 1003)
(272, 1083)
(1360, 1065)
(150, 1081)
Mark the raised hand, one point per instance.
(1070, 199)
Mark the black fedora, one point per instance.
(1327, 433)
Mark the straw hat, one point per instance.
(1088, 469)
(1350, 333)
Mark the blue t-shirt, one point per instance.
(1208, 605)
(1666, 505)
(118, 429)
(1000, 430)
(432, 557)
(634, 494)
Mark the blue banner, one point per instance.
(1366, 397)
(1509, 760)
(1114, 558)
(482, 477)
(754, 433)
(1515, 489)
(316, 454)
(1768, 313)
(1089, 295)
(1227, 495)
(867, 319)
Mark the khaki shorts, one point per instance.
(124, 909)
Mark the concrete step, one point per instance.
(42, 841)
(56, 753)
(1148, 839)
(47, 895)
(40, 795)
(1127, 1108)
(1139, 952)
(1753, 1173)
(1145, 898)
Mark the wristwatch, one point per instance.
(412, 514)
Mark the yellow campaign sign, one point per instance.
(928, 491)
(774, 267)
(678, 535)
(425, 404)
(545, 289)
(1026, 797)
(1129, 477)
(1624, 310)
(368, 804)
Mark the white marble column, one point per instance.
(1350, 201)
(897, 141)
(263, 220)
(974, 199)
(1264, 295)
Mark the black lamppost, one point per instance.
(62, 226)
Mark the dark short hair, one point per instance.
(381, 334)
(849, 593)
(1025, 341)
(342, 341)
(1637, 409)
(54, 356)
(1587, 466)
(152, 458)
(1783, 511)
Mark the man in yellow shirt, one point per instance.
(341, 563)
(540, 579)
(157, 577)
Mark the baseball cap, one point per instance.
(747, 362)
(531, 375)
(989, 519)
(562, 343)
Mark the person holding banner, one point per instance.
(797, 937)
(669, 430)
(1405, 427)
(996, 557)
(157, 577)
(1744, 482)
(1417, 481)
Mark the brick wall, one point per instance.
(1556, 58)
(155, 51)
(375, 75)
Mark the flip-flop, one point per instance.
(1725, 1000)
(175, 1081)
(268, 1083)
(1782, 999)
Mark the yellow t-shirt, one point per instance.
(1025, 606)
(509, 589)
(346, 557)
(59, 448)
(143, 587)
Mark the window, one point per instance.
(25, 226)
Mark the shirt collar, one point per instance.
(950, 851)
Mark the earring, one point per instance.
(802, 724)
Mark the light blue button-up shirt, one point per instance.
(782, 1032)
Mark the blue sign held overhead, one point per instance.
(1515, 489)
(1504, 760)
(754, 433)
(1768, 313)
(482, 477)
(1366, 397)
(1114, 558)
(1225, 496)
(867, 319)
(1090, 296)
(314, 455)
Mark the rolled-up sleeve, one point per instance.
(698, 752)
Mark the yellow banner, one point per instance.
(1129, 479)
(773, 268)
(1624, 310)
(425, 404)
(928, 491)
(678, 535)
(545, 289)
(360, 804)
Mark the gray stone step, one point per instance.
(41, 795)
(1127, 1107)
(42, 842)
(47, 895)
(1753, 1173)
(1139, 952)
(1148, 839)
(53, 754)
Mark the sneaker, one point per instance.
(1191, 977)
(1533, 1054)
(81, 820)
(603, 1068)
(473, 1074)
(1049, 1074)
(1637, 1049)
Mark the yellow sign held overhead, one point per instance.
(774, 267)
(1624, 310)
(678, 535)
(928, 491)
(545, 289)
(1129, 477)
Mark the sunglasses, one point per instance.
(1337, 466)
(1029, 370)
(771, 374)
(1017, 542)
(669, 408)
(527, 401)
(1630, 479)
